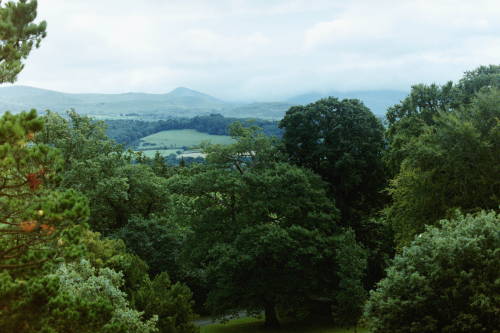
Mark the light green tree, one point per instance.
(446, 281)
(454, 163)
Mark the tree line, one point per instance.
(129, 132)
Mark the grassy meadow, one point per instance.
(181, 138)
(255, 325)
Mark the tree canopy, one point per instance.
(342, 141)
(454, 163)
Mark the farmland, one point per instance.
(181, 138)
(169, 142)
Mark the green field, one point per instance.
(253, 325)
(163, 152)
(180, 138)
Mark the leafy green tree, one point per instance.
(473, 81)
(99, 168)
(342, 141)
(18, 35)
(40, 226)
(171, 303)
(454, 163)
(407, 120)
(264, 233)
(158, 241)
(446, 280)
(112, 253)
(75, 298)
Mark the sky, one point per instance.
(259, 49)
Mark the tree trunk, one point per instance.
(271, 319)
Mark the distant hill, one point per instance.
(180, 102)
(377, 100)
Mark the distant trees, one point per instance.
(128, 132)
(446, 280)
(18, 35)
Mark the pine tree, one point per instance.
(37, 221)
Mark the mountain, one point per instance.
(180, 102)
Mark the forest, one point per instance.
(327, 216)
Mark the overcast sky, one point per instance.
(260, 49)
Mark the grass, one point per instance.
(181, 138)
(163, 152)
(254, 325)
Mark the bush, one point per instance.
(74, 298)
(171, 303)
(445, 281)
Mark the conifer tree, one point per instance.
(37, 221)
(18, 35)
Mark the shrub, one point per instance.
(446, 281)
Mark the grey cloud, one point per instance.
(247, 49)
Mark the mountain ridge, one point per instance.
(180, 101)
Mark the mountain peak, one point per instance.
(182, 91)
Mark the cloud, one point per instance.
(260, 49)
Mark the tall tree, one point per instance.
(407, 119)
(342, 141)
(265, 234)
(34, 216)
(454, 163)
(18, 35)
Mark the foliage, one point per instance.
(342, 141)
(99, 168)
(86, 284)
(407, 119)
(18, 35)
(37, 221)
(473, 81)
(445, 281)
(453, 164)
(112, 253)
(170, 302)
(265, 225)
(157, 240)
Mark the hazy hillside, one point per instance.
(377, 100)
(179, 102)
